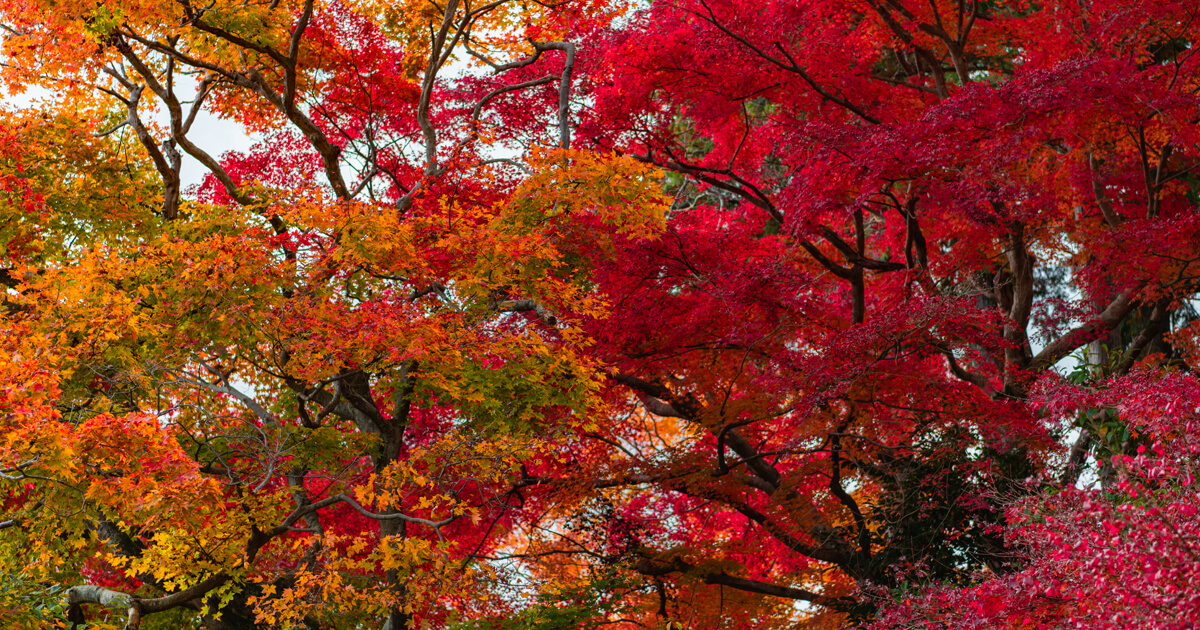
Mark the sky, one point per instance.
(215, 136)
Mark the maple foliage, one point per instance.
(296, 393)
(594, 314)
(1092, 559)
(892, 220)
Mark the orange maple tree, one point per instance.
(297, 392)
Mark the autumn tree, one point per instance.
(298, 393)
(834, 374)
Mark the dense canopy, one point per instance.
(600, 314)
